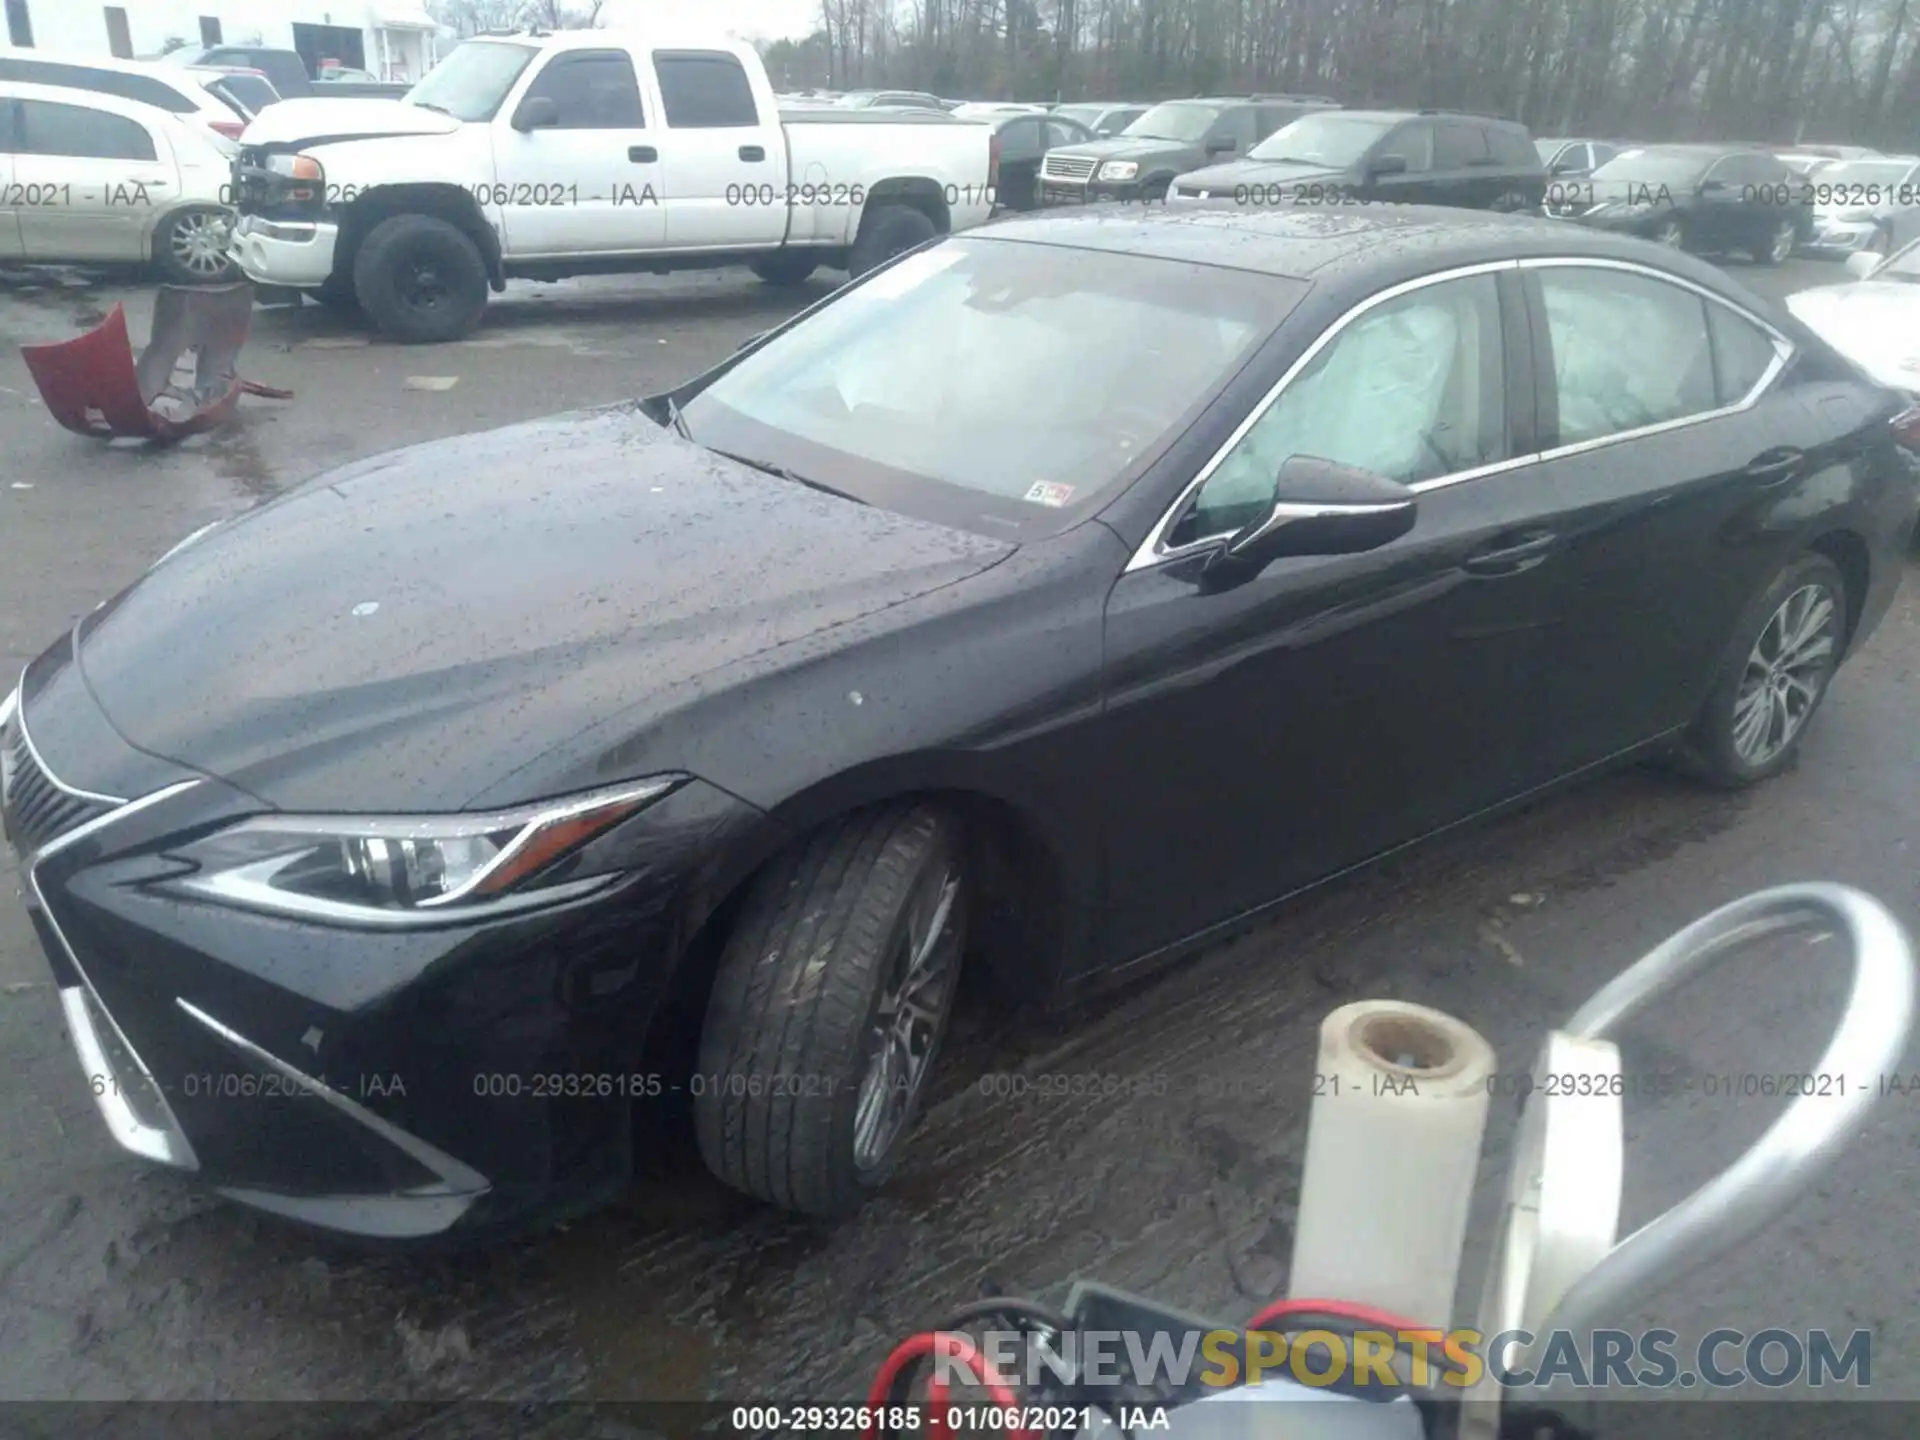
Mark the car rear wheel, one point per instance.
(884, 233)
(1778, 245)
(1785, 650)
(190, 247)
(790, 267)
(1671, 233)
(828, 1009)
(1510, 202)
(420, 280)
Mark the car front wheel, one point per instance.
(1778, 245)
(1671, 233)
(420, 280)
(1775, 675)
(190, 247)
(828, 1009)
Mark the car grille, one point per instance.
(37, 810)
(1066, 167)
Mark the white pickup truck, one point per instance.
(585, 152)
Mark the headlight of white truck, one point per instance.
(1119, 170)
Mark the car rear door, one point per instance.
(590, 183)
(1462, 167)
(97, 179)
(1276, 731)
(725, 156)
(1667, 430)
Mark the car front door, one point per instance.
(1717, 208)
(1462, 167)
(588, 180)
(1409, 147)
(726, 163)
(1231, 135)
(1273, 732)
(90, 181)
(1022, 143)
(1668, 434)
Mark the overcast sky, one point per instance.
(750, 19)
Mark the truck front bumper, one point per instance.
(281, 252)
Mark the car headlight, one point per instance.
(295, 167)
(410, 870)
(1119, 170)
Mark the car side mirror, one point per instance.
(536, 112)
(1862, 263)
(1564, 167)
(1388, 165)
(1320, 507)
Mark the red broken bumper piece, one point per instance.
(94, 386)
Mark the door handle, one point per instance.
(1512, 554)
(1771, 467)
(642, 154)
(753, 152)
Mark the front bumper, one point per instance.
(284, 252)
(1090, 191)
(399, 1085)
(1837, 237)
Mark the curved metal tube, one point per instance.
(1786, 1161)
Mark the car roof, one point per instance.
(91, 99)
(180, 77)
(1332, 244)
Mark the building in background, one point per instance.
(392, 39)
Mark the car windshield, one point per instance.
(1865, 172)
(1175, 120)
(473, 81)
(1655, 167)
(993, 384)
(1329, 139)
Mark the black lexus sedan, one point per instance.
(1051, 599)
(1709, 199)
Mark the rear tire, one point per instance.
(792, 267)
(1775, 672)
(420, 280)
(793, 1104)
(886, 232)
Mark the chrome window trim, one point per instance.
(1152, 551)
(457, 1177)
(18, 711)
(169, 1146)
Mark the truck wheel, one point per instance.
(885, 233)
(190, 247)
(1774, 675)
(791, 267)
(420, 280)
(828, 1009)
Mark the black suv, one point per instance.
(1710, 198)
(1426, 157)
(1172, 137)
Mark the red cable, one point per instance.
(1369, 1316)
(962, 1351)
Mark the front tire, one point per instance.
(790, 268)
(886, 232)
(420, 280)
(1671, 233)
(1776, 672)
(828, 1008)
(1778, 245)
(190, 247)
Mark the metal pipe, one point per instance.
(1793, 1154)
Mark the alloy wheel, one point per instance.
(422, 286)
(1670, 235)
(199, 244)
(1783, 237)
(909, 1019)
(1786, 673)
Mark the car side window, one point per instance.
(704, 90)
(1458, 145)
(1512, 150)
(1061, 133)
(1726, 170)
(1414, 143)
(1742, 353)
(1628, 351)
(1413, 389)
(1020, 140)
(81, 132)
(1601, 154)
(1236, 125)
(591, 90)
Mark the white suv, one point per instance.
(178, 91)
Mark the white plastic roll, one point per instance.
(1393, 1148)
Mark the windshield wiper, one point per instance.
(780, 472)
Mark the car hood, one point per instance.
(1128, 147)
(1875, 324)
(1226, 177)
(408, 632)
(316, 121)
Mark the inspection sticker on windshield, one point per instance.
(1050, 493)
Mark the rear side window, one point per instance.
(1458, 145)
(81, 132)
(704, 90)
(1513, 149)
(144, 88)
(592, 90)
(1742, 353)
(1628, 351)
